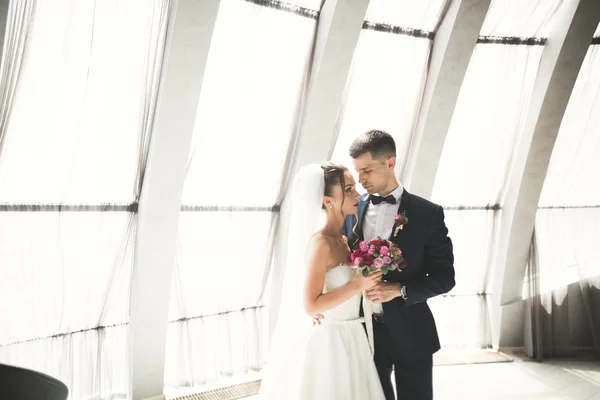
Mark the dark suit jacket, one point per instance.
(429, 271)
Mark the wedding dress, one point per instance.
(329, 361)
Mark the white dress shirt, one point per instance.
(379, 221)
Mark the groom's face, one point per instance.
(373, 174)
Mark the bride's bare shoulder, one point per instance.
(318, 245)
(318, 240)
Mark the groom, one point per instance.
(404, 330)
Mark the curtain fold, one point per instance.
(463, 316)
(151, 80)
(219, 315)
(92, 363)
(567, 298)
(64, 276)
(388, 75)
(79, 117)
(258, 75)
(476, 160)
(298, 7)
(567, 230)
(74, 148)
(18, 25)
(423, 15)
(523, 19)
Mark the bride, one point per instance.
(332, 360)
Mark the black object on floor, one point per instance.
(24, 384)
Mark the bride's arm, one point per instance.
(315, 301)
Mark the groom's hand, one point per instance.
(317, 319)
(384, 292)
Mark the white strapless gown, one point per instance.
(330, 361)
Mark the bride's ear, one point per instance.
(327, 202)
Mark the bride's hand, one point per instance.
(366, 283)
(317, 319)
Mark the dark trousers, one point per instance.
(413, 376)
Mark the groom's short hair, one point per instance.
(379, 143)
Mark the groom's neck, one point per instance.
(390, 187)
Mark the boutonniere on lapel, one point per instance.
(399, 221)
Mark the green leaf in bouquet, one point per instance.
(365, 272)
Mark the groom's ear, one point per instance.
(391, 163)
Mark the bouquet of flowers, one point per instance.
(377, 254)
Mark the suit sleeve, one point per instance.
(438, 277)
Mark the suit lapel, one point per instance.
(362, 210)
(402, 207)
(403, 234)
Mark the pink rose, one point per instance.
(371, 250)
(384, 251)
(378, 263)
(387, 260)
(364, 246)
(358, 261)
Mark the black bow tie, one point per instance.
(378, 199)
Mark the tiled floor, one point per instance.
(518, 380)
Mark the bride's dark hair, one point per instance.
(334, 175)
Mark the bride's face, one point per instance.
(346, 201)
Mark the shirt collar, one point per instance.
(397, 193)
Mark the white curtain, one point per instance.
(424, 15)
(523, 19)
(567, 229)
(245, 125)
(292, 5)
(462, 318)
(18, 22)
(567, 270)
(489, 117)
(81, 95)
(218, 320)
(64, 295)
(574, 163)
(250, 98)
(388, 75)
(72, 162)
(486, 126)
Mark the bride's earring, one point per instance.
(330, 206)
